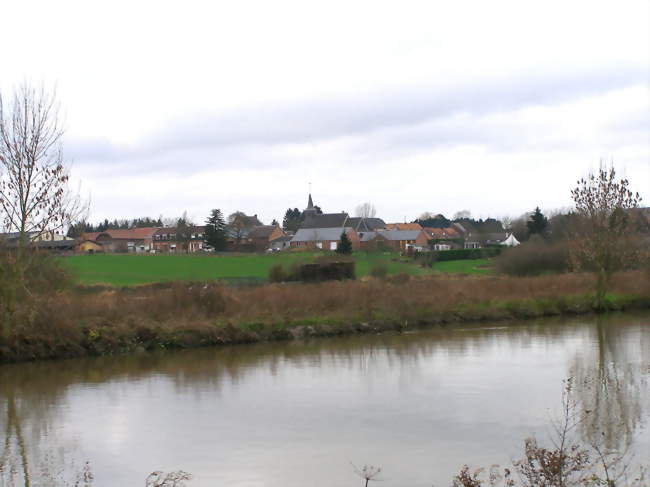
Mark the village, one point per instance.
(316, 231)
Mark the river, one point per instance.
(288, 414)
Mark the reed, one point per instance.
(94, 321)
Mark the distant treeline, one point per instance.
(78, 228)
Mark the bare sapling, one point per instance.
(606, 237)
(35, 198)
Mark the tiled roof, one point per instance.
(170, 230)
(124, 234)
(442, 232)
(403, 226)
(318, 234)
(362, 224)
(367, 236)
(90, 236)
(399, 234)
(134, 233)
(262, 231)
(283, 238)
(325, 220)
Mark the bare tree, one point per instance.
(368, 473)
(171, 479)
(605, 239)
(34, 193)
(366, 210)
(34, 178)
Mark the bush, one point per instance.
(379, 270)
(400, 278)
(277, 273)
(533, 258)
(207, 298)
(345, 245)
(327, 271)
(463, 254)
(41, 272)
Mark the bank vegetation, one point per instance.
(56, 319)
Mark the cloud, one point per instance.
(444, 114)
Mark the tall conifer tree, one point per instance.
(215, 231)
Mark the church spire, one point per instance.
(311, 209)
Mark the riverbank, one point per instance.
(105, 321)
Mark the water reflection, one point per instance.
(257, 414)
(611, 380)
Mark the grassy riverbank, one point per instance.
(131, 270)
(96, 321)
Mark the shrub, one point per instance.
(277, 273)
(345, 246)
(41, 272)
(462, 254)
(400, 278)
(327, 271)
(533, 258)
(379, 270)
(208, 299)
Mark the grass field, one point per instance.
(130, 270)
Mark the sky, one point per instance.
(492, 107)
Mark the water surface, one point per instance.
(289, 414)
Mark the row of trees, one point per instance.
(77, 228)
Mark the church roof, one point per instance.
(325, 220)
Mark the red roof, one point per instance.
(403, 226)
(132, 233)
(442, 232)
(90, 236)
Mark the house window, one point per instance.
(333, 245)
(319, 245)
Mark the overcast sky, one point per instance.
(495, 107)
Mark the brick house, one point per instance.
(261, 236)
(480, 234)
(324, 238)
(444, 238)
(167, 240)
(398, 240)
(133, 240)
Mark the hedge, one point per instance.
(463, 254)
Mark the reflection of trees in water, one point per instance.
(611, 383)
(44, 384)
(26, 460)
(32, 393)
(13, 460)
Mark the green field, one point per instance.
(130, 270)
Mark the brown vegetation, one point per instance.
(325, 268)
(535, 257)
(568, 462)
(94, 321)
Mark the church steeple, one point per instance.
(311, 209)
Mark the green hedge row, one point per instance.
(462, 254)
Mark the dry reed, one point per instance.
(96, 321)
